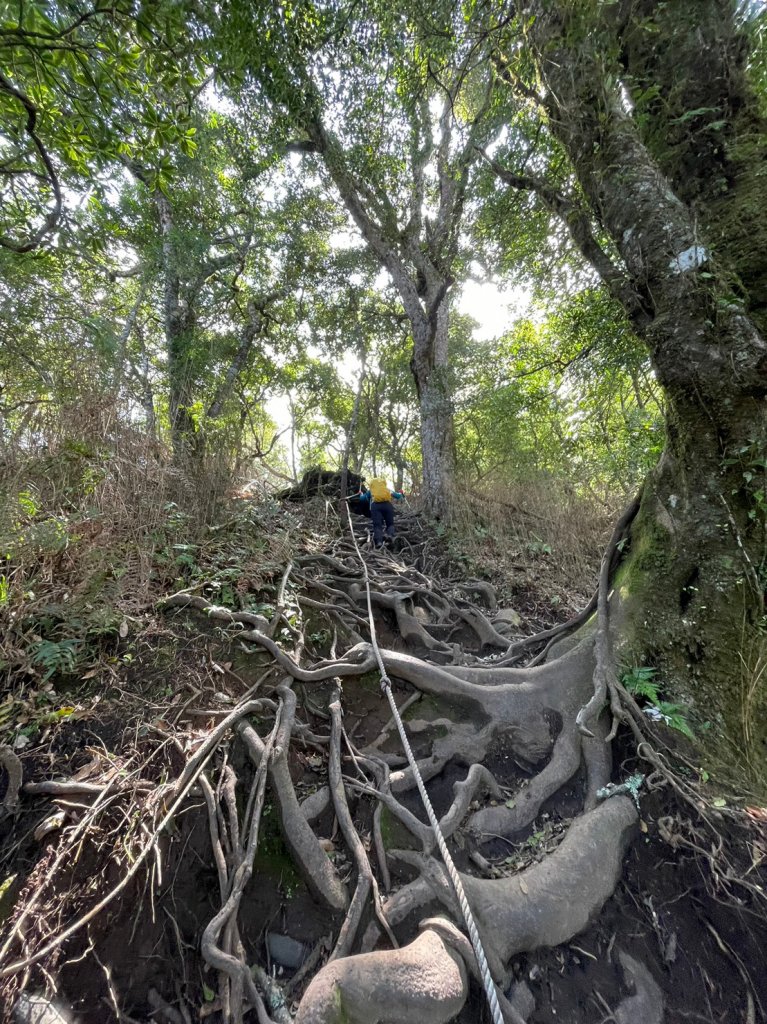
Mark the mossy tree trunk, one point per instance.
(694, 579)
(686, 70)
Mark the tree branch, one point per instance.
(579, 226)
(53, 216)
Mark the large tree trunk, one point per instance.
(694, 579)
(423, 287)
(686, 68)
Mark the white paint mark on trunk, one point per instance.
(691, 258)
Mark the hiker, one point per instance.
(381, 509)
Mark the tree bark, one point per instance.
(351, 433)
(178, 322)
(431, 372)
(686, 67)
(694, 580)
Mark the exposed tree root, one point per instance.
(366, 881)
(425, 982)
(545, 905)
(228, 956)
(12, 765)
(552, 717)
(646, 1005)
(309, 857)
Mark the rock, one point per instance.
(39, 1010)
(422, 615)
(507, 615)
(286, 951)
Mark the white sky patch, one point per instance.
(494, 308)
(346, 238)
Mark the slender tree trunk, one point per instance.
(124, 338)
(147, 394)
(693, 585)
(433, 385)
(293, 465)
(178, 326)
(350, 433)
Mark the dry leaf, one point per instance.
(523, 886)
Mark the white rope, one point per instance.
(455, 878)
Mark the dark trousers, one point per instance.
(382, 513)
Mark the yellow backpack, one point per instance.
(379, 491)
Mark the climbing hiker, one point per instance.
(382, 510)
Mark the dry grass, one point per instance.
(541, 538)
(753, 680)
(94, 523)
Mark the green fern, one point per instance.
(640, 683)
(55, 656)
(673, 715)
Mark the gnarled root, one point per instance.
(309, 857)
(545, 905)
(552, 901)
(12, 765)
(504, 820)
(425, 982)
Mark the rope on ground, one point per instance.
(455, 878)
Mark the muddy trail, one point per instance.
(238, 835)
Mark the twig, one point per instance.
(180, 789)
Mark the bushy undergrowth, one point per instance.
(539, 539)
(97, 523)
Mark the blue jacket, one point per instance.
(367, 496)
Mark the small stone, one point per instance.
(285, 951)
(508, 615)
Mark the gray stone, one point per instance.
(508, 615)
(285, 951)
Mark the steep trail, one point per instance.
(300, 844)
